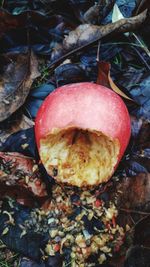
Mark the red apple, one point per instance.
(82, 131)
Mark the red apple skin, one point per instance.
(87, 106)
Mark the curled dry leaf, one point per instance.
(18, 72)
(20, 175)
(105, 79)
(87, 33)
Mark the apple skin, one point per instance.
(84, 105)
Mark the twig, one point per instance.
(56, 62)
(2, 3)
(141, 57)
(99, 32)
(135, 211)
(132, 220)
(136, 223)
(143, 46)
(98, 51)
(145, 247)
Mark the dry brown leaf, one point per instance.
(103, 71)
(105, 79)
(87, 33)
(18, 72)
(116, 88)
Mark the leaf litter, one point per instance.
(131, 76)
(87, 33)
(18, 72)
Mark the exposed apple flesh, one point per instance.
(82, 131)
(79, 157)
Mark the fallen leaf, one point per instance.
(69, 73)
(134, 193)
(142, 232)
(137, 159)
(20, 177)
(8, 21)
(27, 18)
(87, 33)
(105, 79)
(116, 89)
(92, 14)
(117, 15)
(98, 11)
(16, 124)
(136, 81)
(105, 7)
(36, 98)
(103, 71)
(141, 5)
(31, 243)
(51, 262)
(137, 256)
(18, 72)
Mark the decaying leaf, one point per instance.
(105, 7)
(52, 262)
(69, 73)
(92, 14)
(8, 21)
(17, 74)
(105, 79)
(138, 158)
(98, 11)
(16, 124)
(137, 256)
(142, 232)
(116, 89)
(87, 33)
(103, 71)
(141, 5)
(134, 193)
(117, 15)
(20, 177)
(30, 244)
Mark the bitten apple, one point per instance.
(82, 131)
